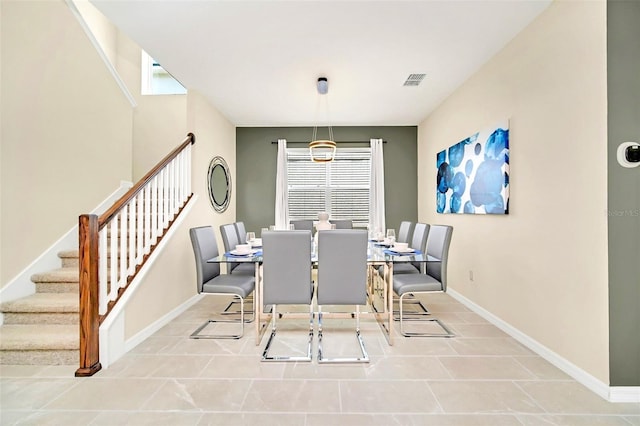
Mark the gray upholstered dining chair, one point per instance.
(241, 231)
(342, 223)
(302, 225)
(211, 282)
(286, 279)
(434, 279)
(418, 242)
(404, 231)
(230, 240)
(342, 279)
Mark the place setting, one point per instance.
(253, 247)
(401, 249)
(387, 241)
(255, 243)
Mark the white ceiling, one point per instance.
(258, 61)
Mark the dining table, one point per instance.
(379, 286)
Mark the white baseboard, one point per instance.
(161, 322)
(581, 376)
(21, 285)
(624, 394)
(112, 342)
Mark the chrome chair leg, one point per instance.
(265, 353)
(196, 334)
(447, 333)
(323, 360)
(413, 300)
(227, 311)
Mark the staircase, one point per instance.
(43, 328)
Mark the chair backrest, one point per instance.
(286, 266)
(404, 232)
(230, 241)
(342, 223)
(342, 267)
(438, 247)
(419, 242)
(302, 225)
(419, 239)
(241, 231)
(205, 246)
(229, 236)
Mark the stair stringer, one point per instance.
(113, 344)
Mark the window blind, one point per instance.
(341, 187)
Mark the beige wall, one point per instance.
(159, 121)
(542, 268)
(66, 129)
(153, 137)
(172, 278)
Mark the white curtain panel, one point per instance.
(282, 187)
(376, 197)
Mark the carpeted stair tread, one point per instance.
(44, 302)
(68, 253)
(39, 337)
(69, 258)
(60, 275)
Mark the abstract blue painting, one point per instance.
(473, 175)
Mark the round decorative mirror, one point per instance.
(219, 181)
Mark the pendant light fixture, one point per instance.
(322, 150)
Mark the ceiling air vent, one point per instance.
(414, 79)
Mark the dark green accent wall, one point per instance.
(256, 169)
(623, 80)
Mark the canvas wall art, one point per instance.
(473, 174)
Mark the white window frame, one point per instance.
(322, 180)
(155, 80)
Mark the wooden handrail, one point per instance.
(90, 226)
(117, 206)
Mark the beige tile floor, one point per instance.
(480, 377)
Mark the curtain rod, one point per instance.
(275, 142)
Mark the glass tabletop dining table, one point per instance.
(379, 286)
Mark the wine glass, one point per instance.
(391, 236)
(251, 236)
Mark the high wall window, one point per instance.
(156, 80)
(341, 187)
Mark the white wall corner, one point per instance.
(148, 331)
(21, 285)
(624, 394)
(112, 341)
(592, 383)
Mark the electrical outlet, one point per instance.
(470, 275)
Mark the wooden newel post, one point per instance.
(89, 315)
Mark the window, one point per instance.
(341, 187)
(156, 80)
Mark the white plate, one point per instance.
(235, 252)
(407, 250)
